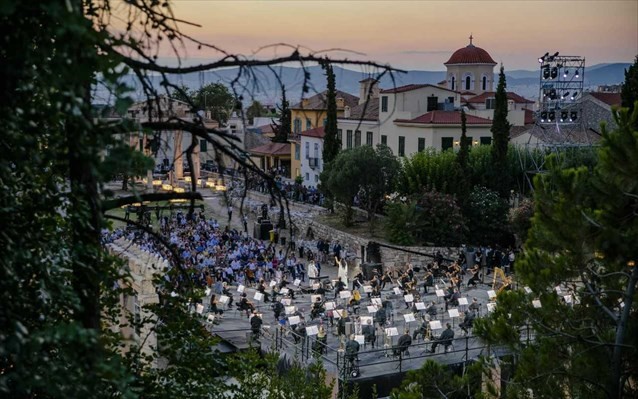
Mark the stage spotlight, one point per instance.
(556, 54)
(573, 116)
(565, 95)
(551, 116)
(576, 75)
(541, 59)
(543, 116)
(563, 116)
(565, 73)
(554, 73)
(573, 97)
(546, 72)
(552, 94)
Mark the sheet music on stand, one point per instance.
(312, 330)
(420, 306)
(463, 301)
(397, 290)
(360, 339)
(273, 283)
(210, 318)
(315, 286)
(491, 294)
(372, 309)
(314, 298)
(284, 291)
(435, 325)
(292, 320)
(330, 305)
(286, 301)
(558, 290)
(367, 289)
(223, 299)
(568, 298)
(207, 291)
(453, 313)
(491, 306)
(527, 290)
(336, 314)
(258, 296)
(200, 308)
(296, 282)
(345, 294)
(439, 293)
(408, 298)
(391, 331)
(240, 289)
(365, 319)
(409, 317)
(377, 301)
(537, 303)
(289, 309)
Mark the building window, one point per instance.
(401, 146)
(297, 151)
(486, 140)
(384, 103)
(453, 86)
(433, 103)
(307, 177)
(340, 137)
(447, 143)
(369, 138)
(357, 138)
(384, 139)
(203, 145)
(307, 150)
(484, 83)
(317, 150)
(308, 124)
(490, 103)
(316, 178)
(297, 126)
(468, 81)
(421, 144)
(348, 138)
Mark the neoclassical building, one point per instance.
(470, 69)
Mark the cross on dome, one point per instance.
(471, 37)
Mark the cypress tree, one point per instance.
(629, 91)
(283, 127)
(331, 143)
(464, 151)
(500, 138)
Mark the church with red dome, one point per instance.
(470, 70)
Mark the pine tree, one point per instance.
(283, 127)
(629, 92)
(500, 138)
(331, 143)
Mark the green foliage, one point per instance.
(431, 217)
(583, 236)
(430, 170)
(255, 110)
(520, 218)
(331, 142)
(122, 159)
(216, 98)
(629, 92)
(486, 216)
(283, 127)
(434, 380)
(464, 149)
(500, 138)
(361, 171)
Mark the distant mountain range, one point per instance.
(262, 85)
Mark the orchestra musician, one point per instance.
(474, 279)
(245, 305)
(318, 308)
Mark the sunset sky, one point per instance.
(419, 34)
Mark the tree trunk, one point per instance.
(616, 389)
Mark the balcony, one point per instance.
(313, 163)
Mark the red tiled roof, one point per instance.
(265, 129)
(470, 55)
(489, 94)
(468, 93)
(316, 132)
(318, 101)
(413, 86)
(445, 118)
(608, 98)
(272, 149)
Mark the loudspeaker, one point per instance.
(261, 231)
(370, 268)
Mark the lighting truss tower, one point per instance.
(561, 87)
(559, 126)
